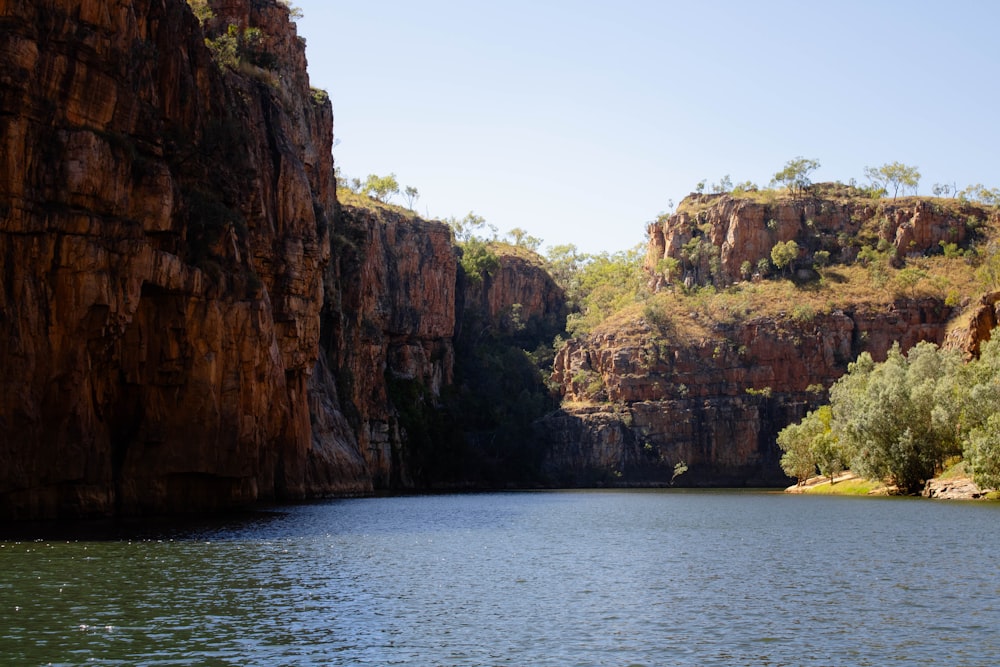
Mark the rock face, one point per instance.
(833, 219)
(189, 319)
(389, 314)
(637, 403)
(640, 399)
(163, 234)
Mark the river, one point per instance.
(576, 578)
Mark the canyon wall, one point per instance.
(637, 401)
(163, 235)
(189, 319)
(712, 390)
(742, 229)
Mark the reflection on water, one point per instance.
(574, 578)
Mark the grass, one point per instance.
(851, 486)
(700, 312)
(348, 197)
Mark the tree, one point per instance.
(812, 444)
(469, 227)
(795, 440)
(896, 420)
(783, 254)
(411, 196)
(982, 194)
(795, 175)
(380, 188)
(523, 239)
(724, 185)
(894, 175)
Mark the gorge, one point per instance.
(192, 320)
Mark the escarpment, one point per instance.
(723, 238)
(163, 234)
(189, 319)
(707, 373)
(640, 400)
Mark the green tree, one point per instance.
(784, 254)
(979, 398)
(897, 419)
(893, 175)
(796, 442)
(981, 194)
(478, 260)
(795, 175)
(469, 227)
(380, 188)
(523, 239)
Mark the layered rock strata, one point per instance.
(163, 233)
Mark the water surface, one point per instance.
(559, 578)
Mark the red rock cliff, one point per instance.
(744, 229)
(162, 229)
(638, 402)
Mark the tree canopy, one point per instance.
(893, 175)
(899, 421)
(795, 175)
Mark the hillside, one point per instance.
(723, 349)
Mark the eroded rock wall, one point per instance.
(637, 402)
(744, 229)
(162, 232)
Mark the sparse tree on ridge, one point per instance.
(795, 175)
(412, 195)
(523, 239)
(469, 227)
(380, 188)
(894, 175)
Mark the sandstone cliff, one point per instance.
(742, 230)
(709, 377)
(637, 401)
(190, 320)
(163, 235)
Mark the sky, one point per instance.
(580, 122)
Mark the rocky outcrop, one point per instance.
(738, 231)
(953, 488)
(163, 233)
(638, 401)
(977, 326)
(389, 316)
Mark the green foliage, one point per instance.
(988, 271)
(981, 194)
(202, 10)
(810, 445)
(604, 284)
(724, 185)
(522, 239)
(784, 254)
(380, 188)
(471, 226)
(235, 46)
(897, 420)
(478, 260)
(894, 175)
(795, 175)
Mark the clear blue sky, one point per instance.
(580, 121)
